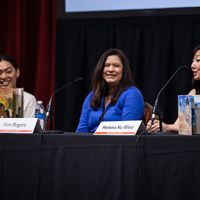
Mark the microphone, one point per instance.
(54, 93)
(164, 86)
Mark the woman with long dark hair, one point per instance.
(114, 96)
(195, 66)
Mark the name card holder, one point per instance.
(18, 125)
(118, 127)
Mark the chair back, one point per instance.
(148, 109)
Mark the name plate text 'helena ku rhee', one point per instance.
(118, 127)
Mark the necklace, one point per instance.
(107, 101)
(108, 98)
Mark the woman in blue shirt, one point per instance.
(113, 96)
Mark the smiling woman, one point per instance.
(112, 72)
(9, 73)
(114, 96)
(195, 66)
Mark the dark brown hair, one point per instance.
(10, 59)
(196, 83)
(100, 87)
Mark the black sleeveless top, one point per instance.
(196, 86)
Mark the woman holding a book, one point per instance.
(9, 73)
(195, 66)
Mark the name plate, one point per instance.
(17, 125)
(118, 127)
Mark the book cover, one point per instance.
(196, 115)
(6, 103)
(185, 106)
(11, 102)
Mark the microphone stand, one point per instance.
(164, 86)
(160, 116)
(160, 120)
(48, 110)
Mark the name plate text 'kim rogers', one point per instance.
(17, 125)
(118, 127)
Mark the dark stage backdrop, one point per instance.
(27, 33)
(155, 46)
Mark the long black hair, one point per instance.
(196, 83)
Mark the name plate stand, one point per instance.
(118, 127)
(17, 125)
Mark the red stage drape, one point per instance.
(28, 33)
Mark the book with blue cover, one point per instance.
(189, 114)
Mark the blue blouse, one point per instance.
(129, 106)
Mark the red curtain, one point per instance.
(28, 34)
